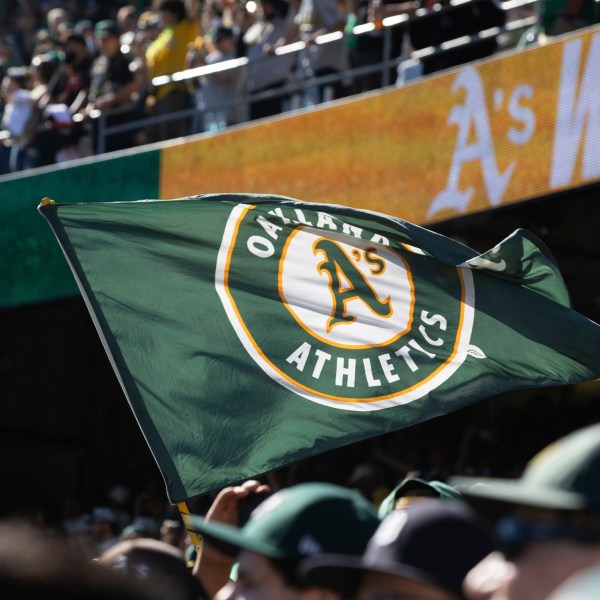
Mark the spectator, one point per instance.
(127, 19)
(78, 61)
(219, 91)
(167, 55)
(148, 29)
(18, 109)
(48, 127)
(292, 524)
(112, 87)
(266, 71)
(157, 565)
(547, 522)
(140, 527)
(316, 18)
(414, 489)
(104, 529)
(57, 20)
(85, 28)
(73, 96)
(172, 532)
(422, 551)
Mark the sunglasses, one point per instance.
(514, 534)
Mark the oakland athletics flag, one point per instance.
(249, 332)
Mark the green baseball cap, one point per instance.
(437, 489)
(300, 521)
(563, 476)
(106, 28)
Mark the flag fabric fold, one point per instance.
(249, 332)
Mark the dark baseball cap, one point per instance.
(436, 542)
(300, 521)
(563, 476)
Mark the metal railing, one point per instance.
(298, 91)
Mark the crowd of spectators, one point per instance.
(527, 536)
(481, 441)
(64, 64)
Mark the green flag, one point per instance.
(249, 332)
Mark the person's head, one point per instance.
(107, 37)
(547, 522)
(295, 523)
(76, 49)
(104, 523)
(43, 68)
(224, 39)
(172, 532)
(16, 78)
(422, 552)
(149, 24)
(127, 18)
(56, 18)
(155, 564)
(172, 12)
(415, 489)
(141, 527)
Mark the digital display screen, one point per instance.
(509, 128)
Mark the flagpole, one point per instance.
(185, 515)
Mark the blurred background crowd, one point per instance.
(486, 439)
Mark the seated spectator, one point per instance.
(267, 71)
(547, 522)
(422, 551)
(167, 55)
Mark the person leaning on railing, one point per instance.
(112, 87)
